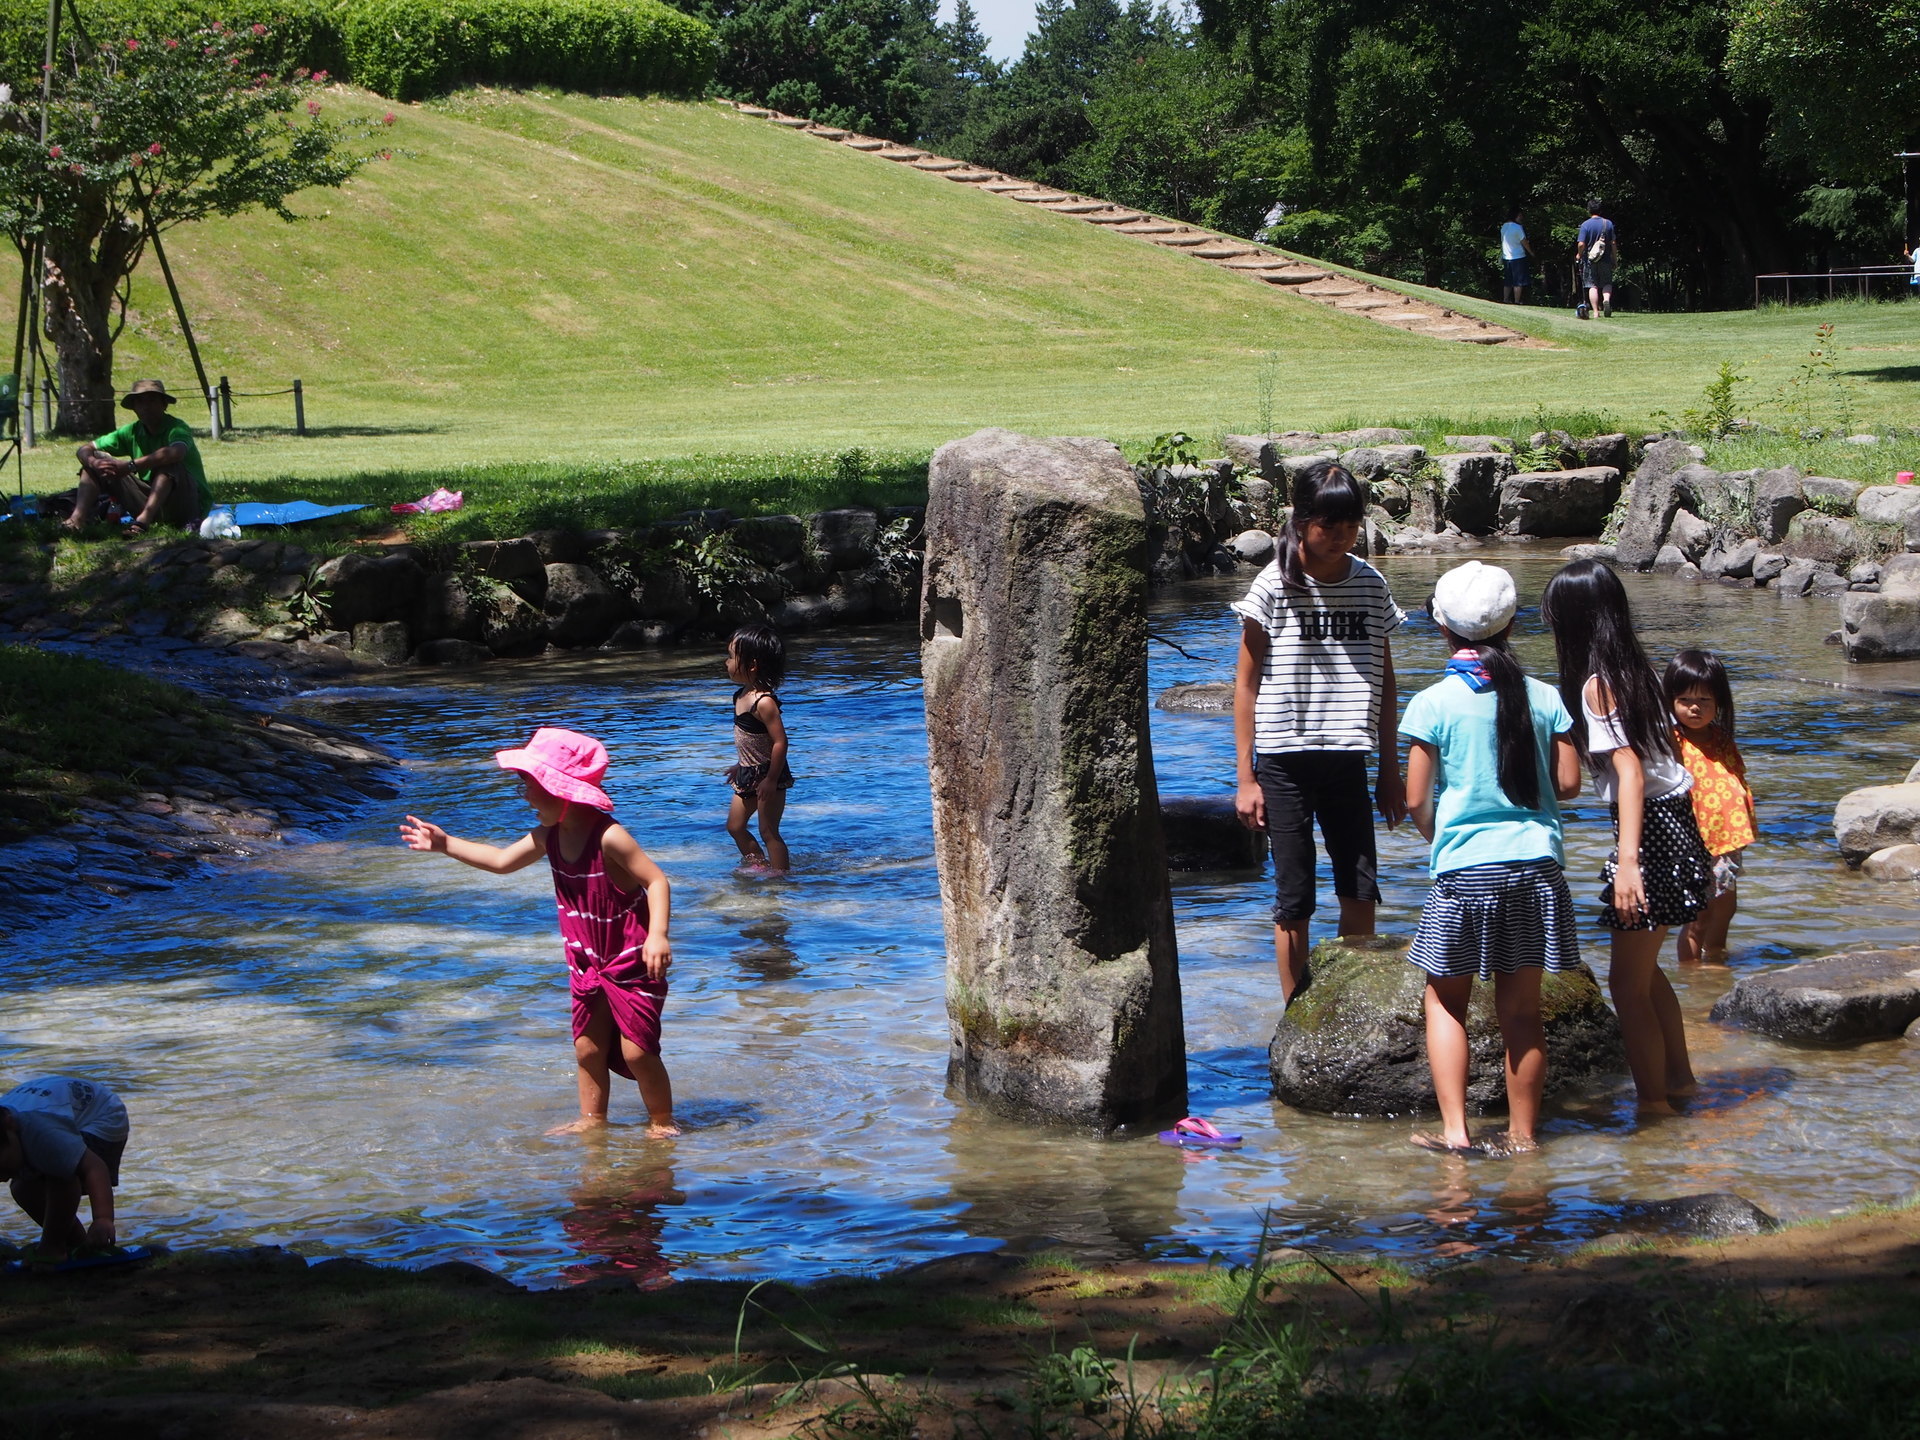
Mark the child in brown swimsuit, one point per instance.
(757, 662)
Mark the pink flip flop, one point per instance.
(1201, 1134)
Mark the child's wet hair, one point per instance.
(1701, 670)
(761, 652)
(1325, 491)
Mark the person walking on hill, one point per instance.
(1598, 250)
(1516, 257)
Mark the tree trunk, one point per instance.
(81, 283)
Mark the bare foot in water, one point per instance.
(1656, 1107)
(662, 1130)
(580, 1126)
(1504, 1144)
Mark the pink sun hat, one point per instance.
(565, 763)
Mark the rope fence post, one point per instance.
(48, 395)
(226, 404)
(213, 411)
(299, 409)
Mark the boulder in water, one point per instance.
(1864, 995)
(1354, 1041)
(1896, 862)
(1714, 1216)
(1876, 817)
(1197, 695)
(1204, 834)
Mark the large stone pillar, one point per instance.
(1063, 985)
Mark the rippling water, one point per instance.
(352, 1048)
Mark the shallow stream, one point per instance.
(349, 1048)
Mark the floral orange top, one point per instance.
(1722, 803)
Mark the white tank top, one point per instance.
(1664, 774)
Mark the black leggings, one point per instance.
(1302, 786)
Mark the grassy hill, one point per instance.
(588, 281)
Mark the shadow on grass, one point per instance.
(1887, 374)
(246, 431)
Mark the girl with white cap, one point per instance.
(1499, 746)
(612, 901)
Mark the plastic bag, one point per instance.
(219, 525)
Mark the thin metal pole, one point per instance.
(299, 410)
(20, 315)
(213, 411)
(226, 404)
(173, 290)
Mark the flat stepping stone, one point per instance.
(1365, 302)
(937, 165)
(860, 142)
(1083, 207)
(1005, 187)
(1292, 277)
(972, 177)
(827, 132)
(1114, 217)
(1039, 197)
(1253, 261)
(755, 111)
(1840, 999)
(792, 122)
(1218, 251)
(1333, 290)
(900, 153)
(1149, 228)
(1181, 241)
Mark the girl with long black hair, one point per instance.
(1313, 694)
(1500, 746)
(1659, 873)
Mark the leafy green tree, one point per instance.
(1842, 76)
(174, 128)
(956, 73)
(853, 63)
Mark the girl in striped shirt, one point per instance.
(1499, 745)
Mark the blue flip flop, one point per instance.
(97, 1260)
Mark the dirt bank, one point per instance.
(260, 1343)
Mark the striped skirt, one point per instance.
(1502, 917)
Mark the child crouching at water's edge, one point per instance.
(760, 777)
(613, 903)
(1499, 745)
(1701, 698)
(1313, 694)
(1659, 873)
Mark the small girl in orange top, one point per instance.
(1702, 704)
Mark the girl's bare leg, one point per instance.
(738, 814)
(592, 1053)
(1516, 998)
(773, 804)
(1673, 1034)
(1630, 980)
(1446, 1006)
(1704, 941)
(656, 1089)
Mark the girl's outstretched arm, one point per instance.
(1630, 795)
(494, 859)
(631, 868)
(1422, 760)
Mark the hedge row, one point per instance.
(406, 49)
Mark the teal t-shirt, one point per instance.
(1474, 822)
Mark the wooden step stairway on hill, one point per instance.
(1297, 274)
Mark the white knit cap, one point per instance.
(1475, 601)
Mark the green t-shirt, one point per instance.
(132, 440)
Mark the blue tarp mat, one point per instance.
(287, 512)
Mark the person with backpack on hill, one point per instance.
(1597, 250)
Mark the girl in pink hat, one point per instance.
(613, 904)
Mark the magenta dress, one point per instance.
(604, 928)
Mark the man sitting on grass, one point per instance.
(174, 489)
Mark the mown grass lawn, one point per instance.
(661, 292)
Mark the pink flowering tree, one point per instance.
(177, 128)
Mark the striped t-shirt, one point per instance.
(1326, 652)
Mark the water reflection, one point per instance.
(616, 1223)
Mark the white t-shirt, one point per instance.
(1664, 774)
(1513, 241)
(1326, 656)
(55, 1112)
